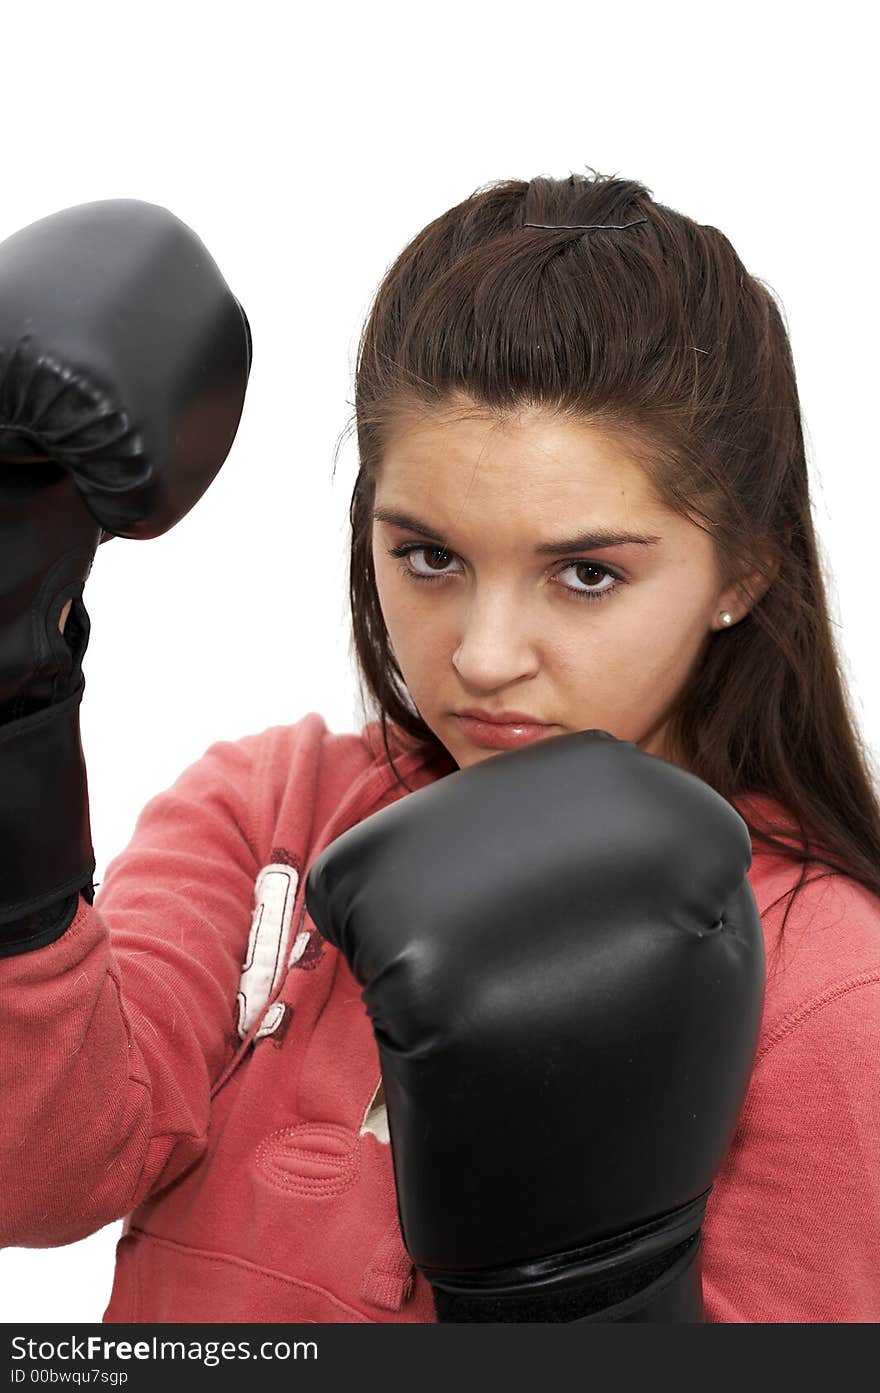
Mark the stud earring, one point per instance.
(726, 617)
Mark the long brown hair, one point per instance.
(657, 335)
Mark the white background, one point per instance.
(306, 146)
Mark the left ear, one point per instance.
(743, 594)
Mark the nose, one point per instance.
(496, 648)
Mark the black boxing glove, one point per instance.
(124, 360)
(563, 963)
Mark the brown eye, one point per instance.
(440, 555)
(582, 566)
(435, 551)
(590, 590)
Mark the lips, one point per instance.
(501, 735)
(513, 718)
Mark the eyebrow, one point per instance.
(598, 540)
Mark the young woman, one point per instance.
(582, 505)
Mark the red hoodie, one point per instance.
(192, 1055)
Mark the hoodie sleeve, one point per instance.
(111, 1036)
(792, 1227)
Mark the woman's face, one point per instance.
(595, 637)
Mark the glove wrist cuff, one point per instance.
(619, 1278)
(45, 831)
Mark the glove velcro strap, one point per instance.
(651, 1273)
(46, 849)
